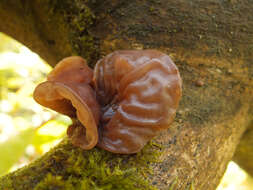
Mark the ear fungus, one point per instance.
(68, 91)
(132, 96)
(139, 92)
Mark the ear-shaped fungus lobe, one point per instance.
(68, 91)
(139, 92)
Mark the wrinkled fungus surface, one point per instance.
(129, 98)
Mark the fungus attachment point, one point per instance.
(132, 96)
(67, 91)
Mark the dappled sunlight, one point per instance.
(53, 128)
(47, 146)
(6, 126)
(27, 130)
(235, 179)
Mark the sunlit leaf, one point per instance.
(15, 83)
(53, 128)
(47, 146)
(14, 148)
(39, 140)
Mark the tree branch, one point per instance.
(210, 41)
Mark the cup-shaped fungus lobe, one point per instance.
(130, 98)
(68, 91)
(139, 92)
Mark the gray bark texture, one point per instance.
(211, 42)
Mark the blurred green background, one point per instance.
(28, 130)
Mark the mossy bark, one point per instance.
(211, 42)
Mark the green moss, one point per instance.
(81, 39)
(99, 169)
(173, 184)
(52, 183)
(77, 20)
(190, 186)
(67, 167)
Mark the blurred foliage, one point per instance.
(14, 148)
(235, 179)
(27, 130)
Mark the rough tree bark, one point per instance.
(211, 41)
